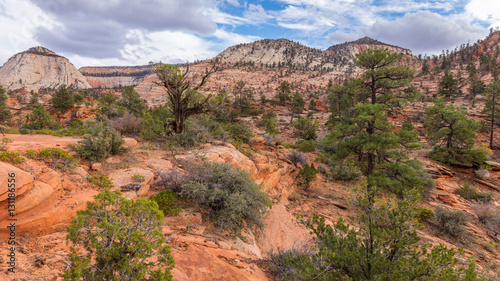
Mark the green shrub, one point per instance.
(271, 127)
(4, 142)
(118, 239)
(450, 222)
(229, 194)
(470, 193)
(57, 157)
(31, 153)
(138, 178)
(306, 128)
(424, 214)
(347, 172)
(200, 129)
(466, 157)
(241, 132)
(102, 142)
(62, 100)
(40, 119)
(101, 180)
(307, 175)
(10, 156)
(154, 123)
(307, 146)
(169, 202)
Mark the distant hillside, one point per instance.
(285, 53)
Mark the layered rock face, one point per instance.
(40, 68)
(115, 76)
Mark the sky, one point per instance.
(135, 32)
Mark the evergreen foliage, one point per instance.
(297, 105)
(40, 118)
(121, 239)
(306, 128)
(453, 134)
(340, 99)
(283, 92)
(5, 114)
(363, 134)
(184, 98)
(154, 122)
(63, 100)
(307, 175)
(449, 86)
(109, 106)
(492, 109)
(132, 102)
(384, 247)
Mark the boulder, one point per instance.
(122, 179)
(23, 180)
(482, 174)
(96, 166)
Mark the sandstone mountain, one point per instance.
(115, 76)
(40, 68)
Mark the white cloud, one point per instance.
(485, 10)
(220, 17)
(19, 19)
(426, 32)
(256, 14)
(228, 38)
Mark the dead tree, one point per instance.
(181, 88)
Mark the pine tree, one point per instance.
(5, 114)
(62, 100)
(364, 131)
(297, 105)
(492, 108)
(283, 92)
(340, 99)
(453, 134)
(132, 101)
(307, 175)
(449, 86)
(385, 246)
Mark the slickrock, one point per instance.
(23, 181)
(281, 232)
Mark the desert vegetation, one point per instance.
(391, 167)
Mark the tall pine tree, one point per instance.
(364, 133)
(492, 108)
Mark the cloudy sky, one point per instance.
(134, 32)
